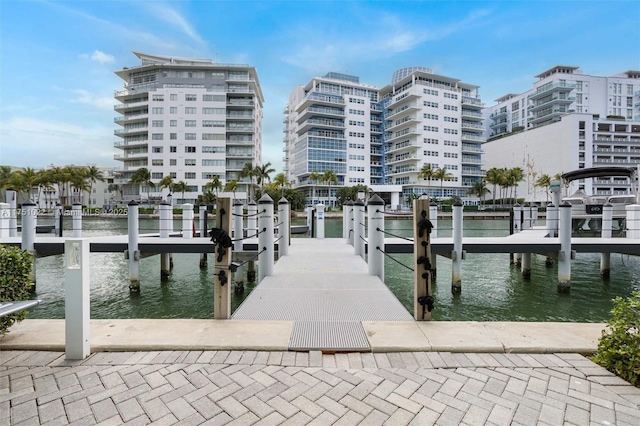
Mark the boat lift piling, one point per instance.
(526, 257)
(166, 227)
(433, 214)
(132, 253)
(29, 224)
(565, 255)
(57, 218)
(252, 229)
(203, 233)
(607, 225)
(4, 220)
(284, 228)
(12, 198)
(457, 255)
(238, 229)
(76, 215)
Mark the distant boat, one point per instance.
(41, 229)
(299, 229)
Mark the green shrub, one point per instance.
(15, 266)
(619, 346)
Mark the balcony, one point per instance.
(320, 122)
(401, 134)
(471, 125)
(129, 105)
(468, 148)
(404, 109)
(314, 111)
(130, 144)
(470, 114)
(557, 87)
(131, 117)
(314, 98)
(547, 115)
(375, 129)
(243, 129)
(554, 100)
(401, 147)
(402, 158)
(406, 96)
(472, 137)
(467, 159)
(473, 103)
(131, 156)
(470, 171)
(129, 131)
(496, 115)
(240, 116)
(239, 154)
(401, 122)
(499, 123)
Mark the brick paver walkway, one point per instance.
(287, 388)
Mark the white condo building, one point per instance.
(567, 121)
(190, 119)
(383, 137)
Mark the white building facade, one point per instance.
(568, 121)
(190, 119)
(382, 138)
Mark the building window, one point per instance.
(212, 123)
(173, 175)
(173, 123)
(173, 97)
(213, 149)
(190, 110)
(173, 110)
(189, 175)
(158, 98)
(173, 162)
(213, 163)
(189, 149)
(156, 149)
(190, 123)
(190, 98)
(157, 110)
(157, 162)
(173, 136)
(213, 111)
(156, 175)
(157, 136)
(157, 123)
(173, 149)
(190, 136)
(189, 162)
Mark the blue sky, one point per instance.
(57, 57)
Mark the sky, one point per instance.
(57, 58)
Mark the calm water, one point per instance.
(492, 290)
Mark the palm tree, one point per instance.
(514, 177)
(280, 180)
(544, 181)
(248, 171)
(214, 184)
(263, 172)
(480, 189)
(231, 186)
(330, 177)
(142, 176)
(442, 174)
(166, 182)
(5, 175)
(114, 187)
(180, 186)
(493, 176)
(59, 177)
(79, 181)
(314, 176)
(25, 180)
(94, 175)
(427, 173)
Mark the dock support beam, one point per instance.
(350, 221)
(238, 229)
(76, 214)
(252, 230)
(58, 214)
(29, 224)
(265, 239)
(320, 221)
(204, 233)
(423, 299)
(375, 257)
(12, 199)
(223, 256)
(358, 227)
(457, 255)
(166, 227)
(4, 220)
(607, 225)
(284, 228)
(133, 255)
(565, 255)
(76, 299)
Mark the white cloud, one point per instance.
(169, 15)
(102, 57)
(99, 102)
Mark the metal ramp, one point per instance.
(326, 290)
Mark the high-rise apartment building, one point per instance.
(382, 138)
(567, 121)
(190, 119)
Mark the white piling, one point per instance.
(320, 221)
(607, 226)
(517, 228)
(222, 256)
(345, 228)
(375, 256)
(76, 217)
(238, 229)
(4, 220)
(310, 221)
(349, 220)
(265, 239)
(526, 257)
(166, 227)
(422, 277)
(358, 227)
(12, 199)
(187, 221)
(433, 214)
(564, 256)
(29, 224)
(204, 233)
(58, 218)
(633, 221)
(284, 229)
(252, 230)
(552, 212)
(77, 304)
(133, 255)
(457, 255)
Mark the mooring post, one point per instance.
(57, 218)
(551, 224)
(607, 226)
(517, 228)
(77, 303)
(457, 255)
(284, 228)
(534, 215)
(4, 220)
(203, 233)
(12, 199)
(375, 257)
(223, 256)
(526, 257)
(29, 224)
(166, 227)
(187, 221)
(320, 221)
(423, 299)
(350, 221)
(358, 227)
(433, 214)
(633, 221)
(265, 239)
(310, 224)
(132, 254)
(238, 230)
(252, 230)
(76, 217)
(345, 230)
(565, 255)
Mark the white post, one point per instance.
(320, 221)
(633, 221)
(526, 217)
(526, 257)
(345, 229)
(166, 227)
(552, 213)
(222, 256)
(4, 220)
(238, 229)
(375, 257)
(29, 224)
(433, 214)
(204, 233)
(76, 213)
(422, 276)
(534, 215)
(284, 229)
(349, 225)
(358, 229)
(517, 227)
(187, 221)
(252, 230)
(310, 223)
(58, 215)
(564, 257)
(607, 225)
(457, 254)
(77, 307)
(132, 253)
(265, 239)
(12, 198)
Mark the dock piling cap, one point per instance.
(265, 199)
(375, 200)
(237, 202)
(283, 201)
(132, 203)
(359, 202)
